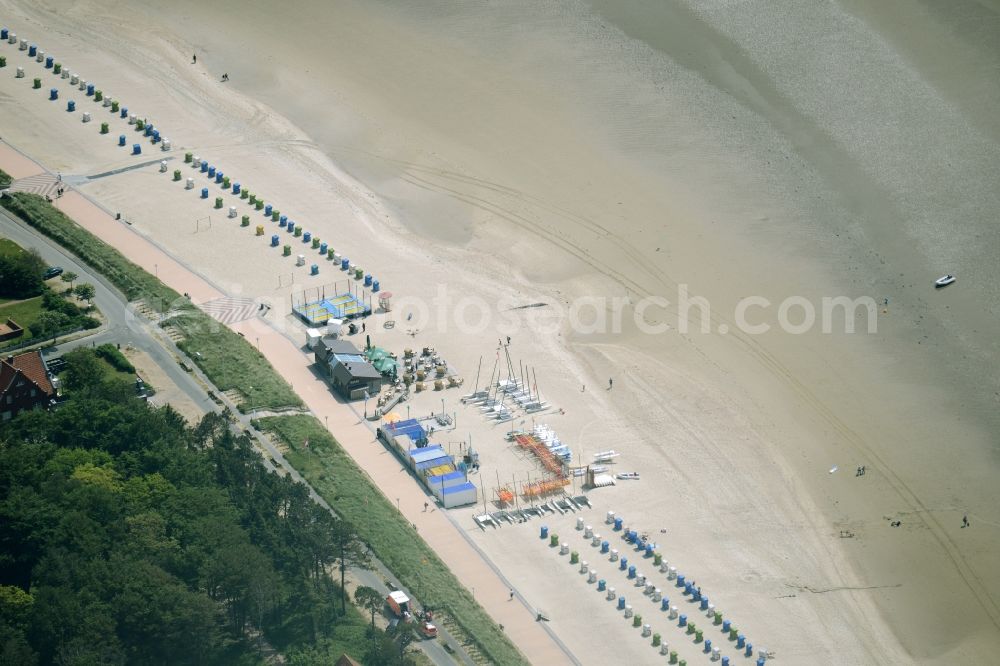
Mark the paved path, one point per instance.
(43, 184)
(125, 325)
(138, 250)
(490, 588)
(231, 309)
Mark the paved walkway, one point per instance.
(43, 184)
(490, 589)
(231, 309)
(17, 165)
(136, 248)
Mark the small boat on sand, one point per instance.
(944, 281)
(628, 476)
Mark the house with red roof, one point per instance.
(24, 384)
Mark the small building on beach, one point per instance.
(430, 463)
(346, 368)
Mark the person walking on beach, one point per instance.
(511, 596)
(611, 383)
(965, 521)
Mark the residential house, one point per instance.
(24, 384)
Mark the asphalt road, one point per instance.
(125, 326)
(377, 576)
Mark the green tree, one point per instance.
(369, 599)
(15, 606)
(349, 551)
(49, 323)
(309, 656)
(84, 291)
(402, 634)
(21, 274)
(382, 650)
(83, 369)
(69, 277)
(15, 648)
(145, 540)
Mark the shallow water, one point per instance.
(769, 148)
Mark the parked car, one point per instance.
(53, 271)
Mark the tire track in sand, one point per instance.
(765, 358)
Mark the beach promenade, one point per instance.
(583, 159)
(491, 589)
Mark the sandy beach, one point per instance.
(590, 156)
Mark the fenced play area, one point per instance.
(338, 300)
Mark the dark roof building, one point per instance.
(347, 369)
(346, 661)
(24, 384)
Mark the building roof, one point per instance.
(346, 661)
(399, 597)
(408, 427)
(360, 370)
(338, 346)
(347, 358)
(32, 366)
(431, 452)
(459, 489)
(441, 479)
(7, 374)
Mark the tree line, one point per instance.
(129, 536)
(22, 277)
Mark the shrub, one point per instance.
(115, 358)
